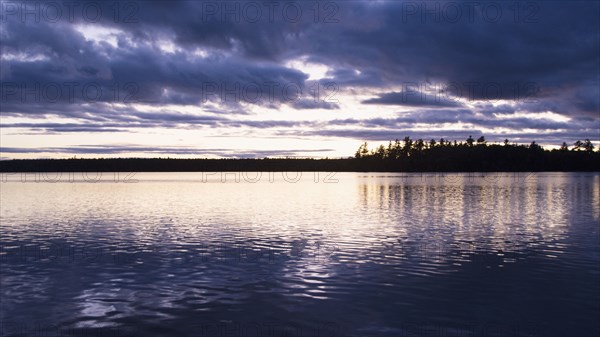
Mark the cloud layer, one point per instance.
(354, 70)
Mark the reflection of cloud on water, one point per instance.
(96, 307)
(596, 197)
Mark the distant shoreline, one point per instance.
(578, 162)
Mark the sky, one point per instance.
(292, 78)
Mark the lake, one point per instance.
(310, 254)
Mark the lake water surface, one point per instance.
(354, 254)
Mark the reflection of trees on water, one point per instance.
(436, 218)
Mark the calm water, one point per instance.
(368, 255)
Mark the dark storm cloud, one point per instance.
(52, 62)
(545, 57)
(142, 75)
(552, 55)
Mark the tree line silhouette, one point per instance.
(408, 155)
(474, 155)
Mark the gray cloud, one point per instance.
(412, 98)
(174, 150)
(548, 61)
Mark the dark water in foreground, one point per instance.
(368, 255)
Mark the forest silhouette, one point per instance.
(408, 155)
